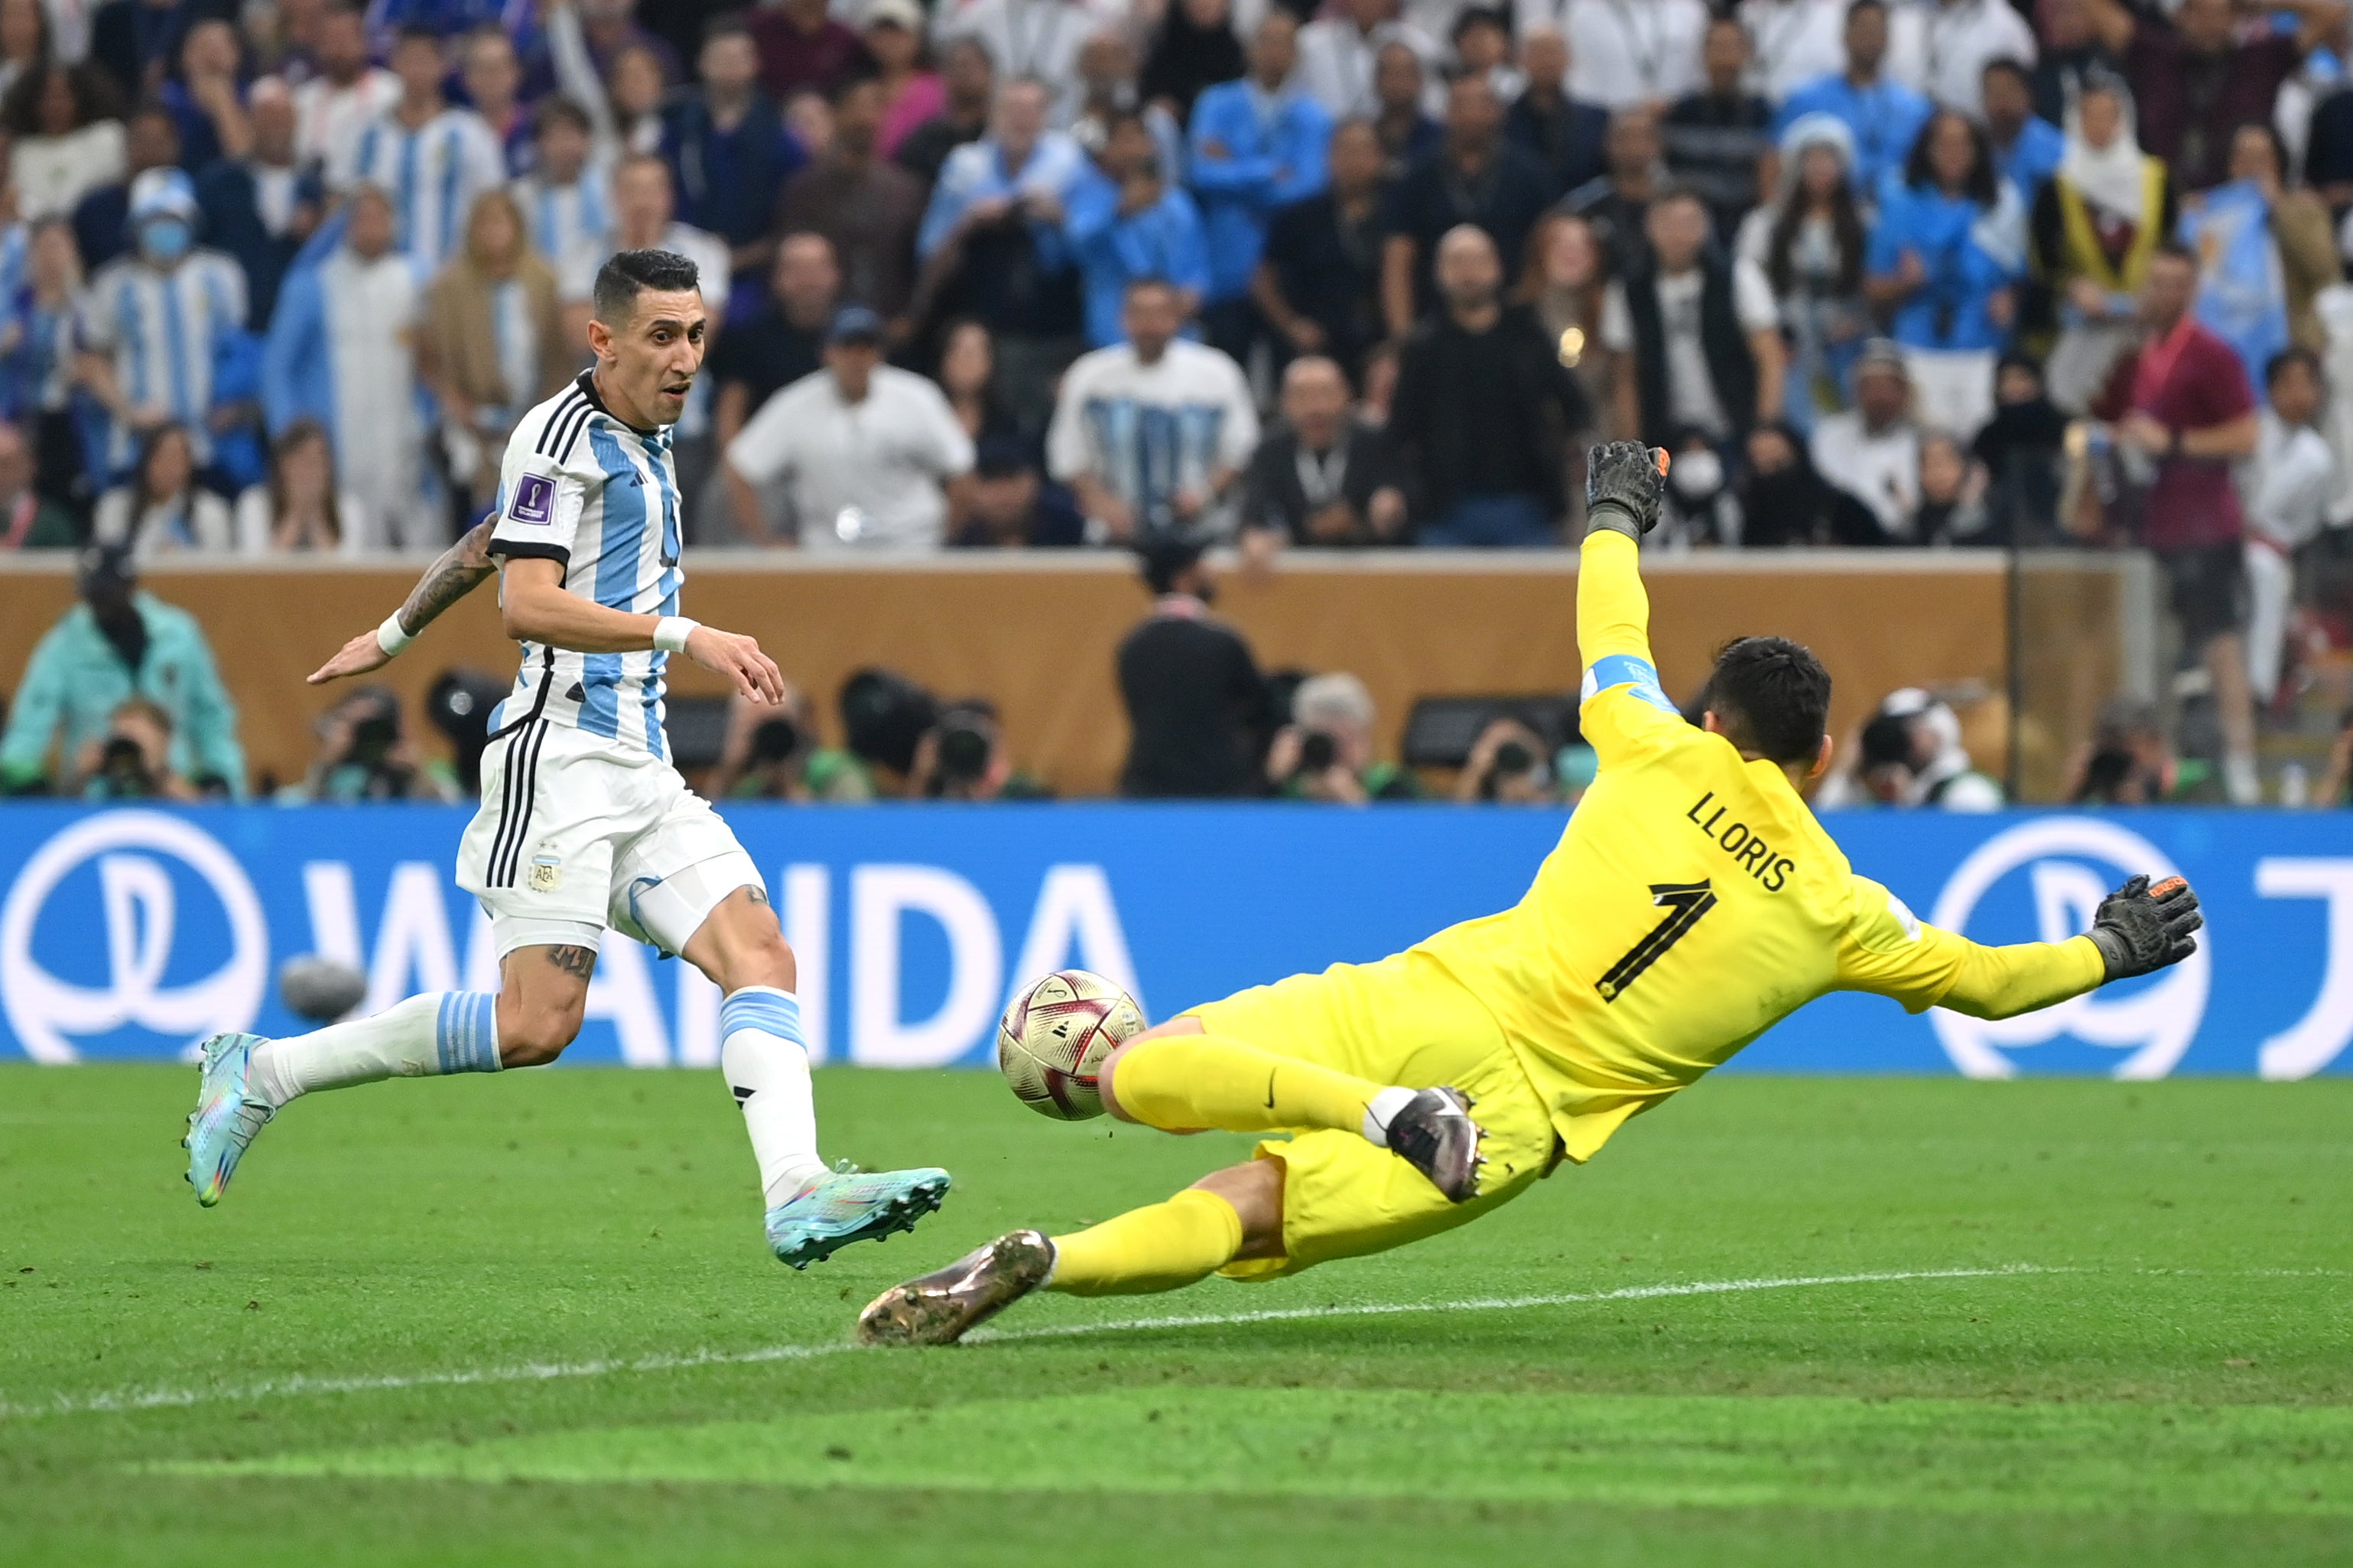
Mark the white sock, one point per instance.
(440, 1032)
(760, 1051)
(1382, 1112)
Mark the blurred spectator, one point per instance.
(135, 41)
(968, 85)
(1036, 40)
(153, 323)
(1952, 489)
(1481, 37)
(2336, 783)
(1809, 244)
(2069, 52)
(2285, 486)
(300, 507)
(259, 207)
(589, 40)
(1564, 284)
(435, 159)
(1697, 337)
(27, 519)
(1318, 279)
(1402, 122)
(117, 644)
(363, 752)
(766, 752)
(2197, 78)
(1195, 48)
(910, 94)
(160, 509)
(1477, 178)
(567, 201)
(494, 81)
(1614, 201)
(866, 207)
(64, 138)
(205, 97)
(101, 217)
(1962, 37)
(1483, 409)
(1702, 504)
(1258, 145)
(2026, 148)
(1719, 138)
(992, 240)
(2097, 222)
(963, 758)
(1509, 765)
(1883, 115)
(753, 362)
(967, 377)
(1126, 222)
(346, 95)
(1624, 56)
(2183, 403)
(1871, 452)
(2021, 448)
(26, 45)
(1320, 477)
(1107, 90)
(627, 105)
(37, 362)
(1340, 55)
(728, 151)
(644, 220)
(1942, 260)
(1004, 505)
(1325, 752)
(2129, 760)
(1151, 433)
(133, 761)
(1782, 500)
(802, 48)
(2264, 253)
(1910, 754)
(1797, 42)
(1568, 138)
(866, 447)
(342, 356)
(1198, 712)
(489, 344)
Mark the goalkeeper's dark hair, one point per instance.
(1770, 697)
(631, 272)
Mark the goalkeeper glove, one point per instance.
(1623, 483)
(2140, 930)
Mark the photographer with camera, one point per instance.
(772, 753)
(364, 754)
(963, 758)
(1325, 752)
(1509, 765)
(133, 760)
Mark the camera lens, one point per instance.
(774, 740)
(1512, 757)
(1317, 752)
(964, 752)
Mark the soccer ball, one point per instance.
(1053, 1039)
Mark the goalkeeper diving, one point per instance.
(1693, 902)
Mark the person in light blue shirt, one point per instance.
(1021, 168)
(1949, 246)
(2026, 149)
(1125, 224)
(1885, 115)
(1257, 145)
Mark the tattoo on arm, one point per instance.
(462, 568)
(574, 961)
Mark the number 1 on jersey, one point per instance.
(1684, 903)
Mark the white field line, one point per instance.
(127, 1399)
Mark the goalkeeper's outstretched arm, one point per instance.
(462, 568)
(1622, 490)
(2137, 930)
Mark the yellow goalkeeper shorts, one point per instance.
(1405, 1020)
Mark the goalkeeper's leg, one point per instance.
(1180, 1079)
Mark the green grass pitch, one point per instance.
(529, 1320)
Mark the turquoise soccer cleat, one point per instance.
(225, 1117)
(852, 1207)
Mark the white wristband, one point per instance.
(390, 637)
(671, 631)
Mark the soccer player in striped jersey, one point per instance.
(584, 823)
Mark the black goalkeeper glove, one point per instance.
(2140, 930)
(1623, 483)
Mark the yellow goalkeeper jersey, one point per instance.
(1694, 901)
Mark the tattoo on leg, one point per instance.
(578, 960)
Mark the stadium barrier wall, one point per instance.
(128, 933)
(1036, 632)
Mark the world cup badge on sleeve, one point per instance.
(534, 499)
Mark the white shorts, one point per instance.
(576, 835)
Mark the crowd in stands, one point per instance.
(281, 276)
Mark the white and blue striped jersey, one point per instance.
(572, 226)
(433, 175)
(586, 490)
(163, 332)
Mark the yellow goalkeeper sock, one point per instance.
(1181, 1083)
(1162, 1247)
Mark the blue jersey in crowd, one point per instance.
(1885, 117)
(1270, 153)
(1969, 253)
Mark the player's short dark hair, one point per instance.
(631, 272)
(1771, 697)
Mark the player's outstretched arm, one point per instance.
(463, 567)
(536, 608)
(1622, 489)
(2137, 929)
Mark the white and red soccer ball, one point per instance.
(1053, 1039)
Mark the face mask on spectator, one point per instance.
(1697, 475)
(165, 238)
